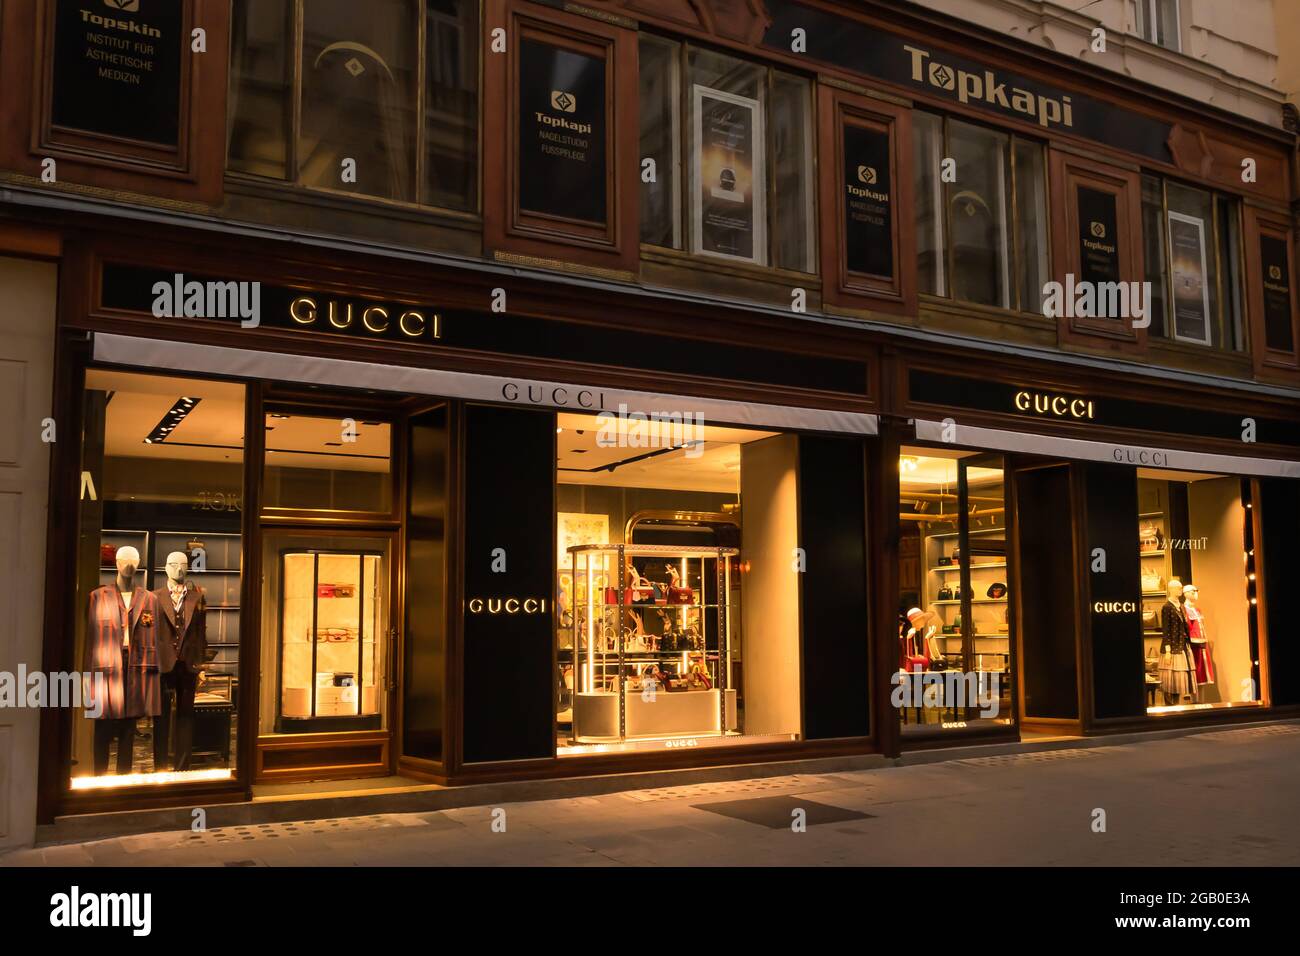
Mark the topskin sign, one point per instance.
(870, 51)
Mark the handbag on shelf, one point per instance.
(678, 595)
(1150, 538)
(107, 554)
(945, 562)
(1150, 621)
(945, 593)
(1152, 581)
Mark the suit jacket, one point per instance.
(184, 636)
(1174, 632)
(136, 690)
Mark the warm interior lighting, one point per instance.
(907, 463)
(113, 781)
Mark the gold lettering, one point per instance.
(296, 310)
(365, 318)
(333, 315)
(475, 605)
(1022, 401)
(401, 324)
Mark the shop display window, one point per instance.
(712, 163)
(320, 464)
(954, 620)
(380, 101)
(1197, 591)
(159, 569)
(677, 617)
(1192, 248)
(982, 239)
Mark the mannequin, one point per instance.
(1177, 670)
(918, 646)
(182, 650)
(122, 650)
(1199, 639)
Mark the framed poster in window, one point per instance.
(728, 177)
(1191, 292)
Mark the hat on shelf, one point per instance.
(996, 590)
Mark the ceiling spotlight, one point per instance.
(175, 415)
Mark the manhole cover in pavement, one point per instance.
(778, 812)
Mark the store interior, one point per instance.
(954, 632)
(701, 640)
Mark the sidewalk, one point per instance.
(1225, 798)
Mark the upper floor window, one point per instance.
(1193, 251)
(1158, 22)
(981, 229)
(378, 100)
(735, 180)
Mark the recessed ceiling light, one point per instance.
(175, 415)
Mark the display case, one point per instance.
(332, 640)
(654, 657)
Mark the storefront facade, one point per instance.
(486, 467)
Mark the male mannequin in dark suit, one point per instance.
(182, 648)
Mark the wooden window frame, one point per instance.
(1068, 173)
(1261, 224)
(192, 170)
(895, 293)
(514, 234)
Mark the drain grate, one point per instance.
(275, 831)
(1252, 733)
(1038, 756)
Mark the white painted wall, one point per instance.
(27, 314)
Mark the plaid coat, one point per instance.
(137, 690)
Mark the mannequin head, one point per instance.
(128, 560)
(1175, 590)
(178, 565)
(1190, 593)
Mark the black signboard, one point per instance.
(117, 68)
(872, 51)
(1098, 239)
(1075, 405)
(562, 139)
(1278, 332)
(868, 211)
(138, 289)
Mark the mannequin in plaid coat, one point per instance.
(122, 652)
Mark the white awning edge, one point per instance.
(199, 359)
(1142, 456)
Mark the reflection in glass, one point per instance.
(259, 87)
(660, 200)
(358, 97)
(1031, 223)
(792, 158)
(978, 214)
(451, 104)
(931, 241)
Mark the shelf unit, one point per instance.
(692, 652)
(990, 637)
(1155, 560)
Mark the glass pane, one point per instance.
(1031, 224)
(159, 567)
(327, 464)
(326, 643)
(727, 146)
(931, 242)
(1195, 592)
(694, 647)
(1234, 326)
(1195, 304)
(660, 63)
(359, 80)
(792, 159)
(954, 638)
(1167, 24)
(1153, 244)
(979, 203)
(451, 104)
(260, 96)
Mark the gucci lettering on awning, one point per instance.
(1273, 259)
(868, 207)
(871, 51)
(562, 139)
(1098, 237)
(117, 68)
